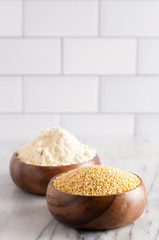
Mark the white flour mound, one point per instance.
(55, 147)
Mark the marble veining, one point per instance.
(25, 216)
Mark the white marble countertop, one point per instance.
(25, 216)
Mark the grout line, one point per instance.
(29, 37)
(63, 0)
(135, 125)
(99, 94)
(81, 75)
(75, 37)
(99, 18)
(137, 56)
(49, 75)
(116, 37)
(61, 122)
(70, 75)
(22, 95)
(131, 0)
(62, 56)
(91, 0)
(79, 113)
(23, 18)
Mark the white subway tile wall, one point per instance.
(30, 56)
(148, 125)
(10, 18)
(132, 94)
(61, 94)
(24, 127)
(90, 66)
(61, 18)
(94, 125)
(130, 18)
(149, 56)
(99, 56)
(10, 94)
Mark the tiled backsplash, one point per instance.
(90, 66)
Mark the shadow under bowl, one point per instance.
(35, 178)
(96, 212)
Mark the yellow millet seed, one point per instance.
(96, 180)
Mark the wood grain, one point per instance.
(34, 178)
(96, 212)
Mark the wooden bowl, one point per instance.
(96, 212)
(34, 178)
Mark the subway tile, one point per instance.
(21, 127)
(130, 94)
(10, 94)
(30, 56)
(96, 125)
(147, 125)
(99, 56)
(10, 18)
(61, 94)
(61, 18)
(149, 56)
(129, 18)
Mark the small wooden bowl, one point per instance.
(34, 178)
(96, 212)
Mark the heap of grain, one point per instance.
(96, 180)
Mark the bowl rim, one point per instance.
(15, 155)
(93, 196)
